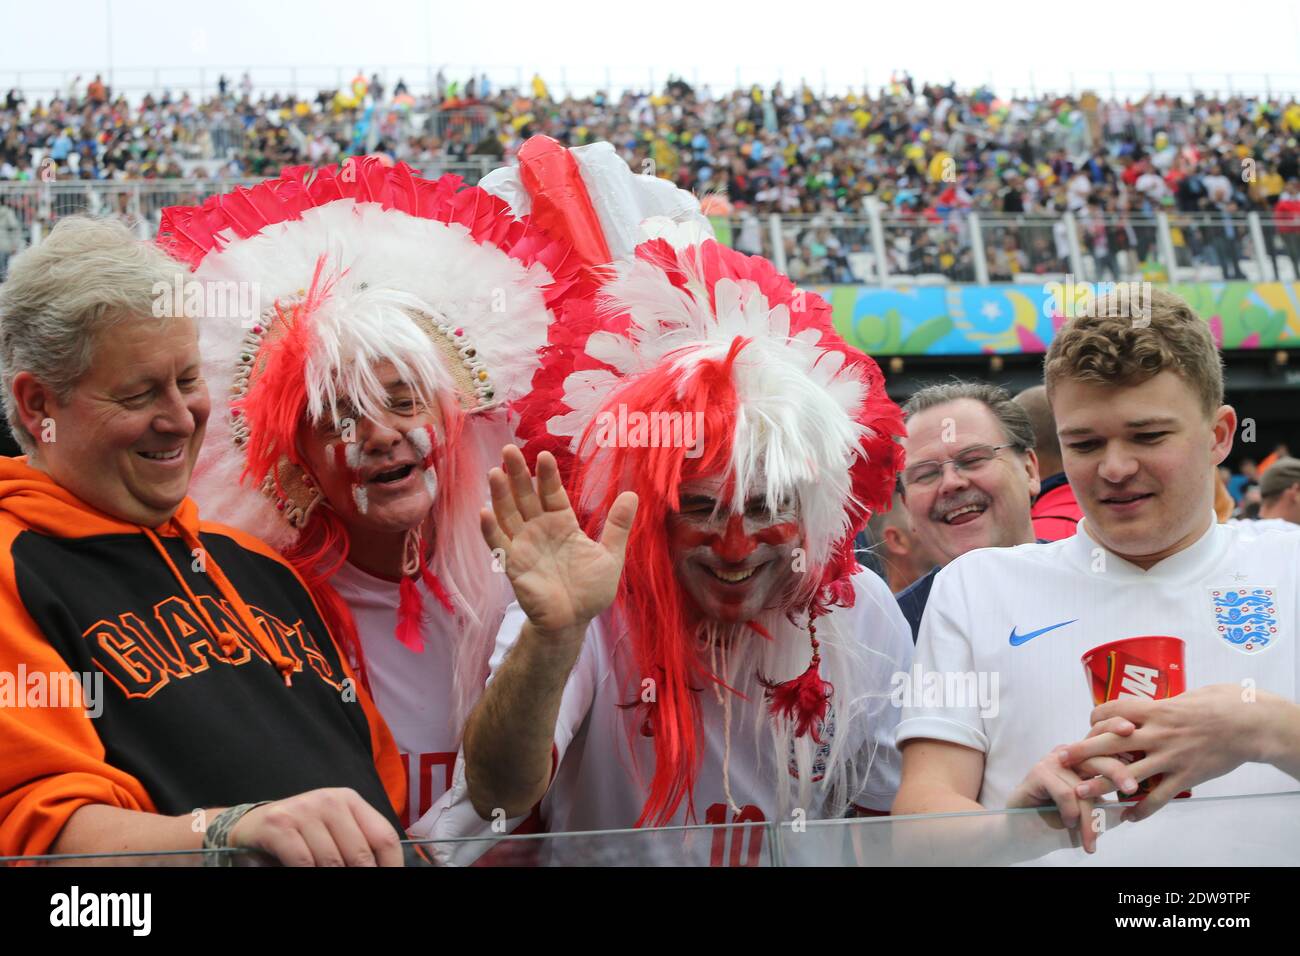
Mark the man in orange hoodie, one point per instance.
(199, 700)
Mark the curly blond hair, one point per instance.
(1132, 339)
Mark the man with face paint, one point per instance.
(359, 404)
(739, 668)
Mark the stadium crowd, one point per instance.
(928, 152)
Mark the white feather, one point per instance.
(796, 427)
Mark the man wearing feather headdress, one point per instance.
(692, 640)
(359, 408)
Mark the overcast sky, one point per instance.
(581, 43)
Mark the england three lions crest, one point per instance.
(1246, 617)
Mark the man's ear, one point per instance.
(896, 542)
(1031, 469)
(34, 401)
(1224, 427)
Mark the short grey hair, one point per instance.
(87, 275)
(1015, 422)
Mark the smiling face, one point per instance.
(1141, 461)
(978, 507)
(732, 566)
(379, 476)
(126, 440)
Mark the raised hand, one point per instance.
(561, 578)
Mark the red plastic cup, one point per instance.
(1143, 668)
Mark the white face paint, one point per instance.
(379, 476)
(419, 437)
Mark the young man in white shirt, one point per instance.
(681, 689)
(1138, 400)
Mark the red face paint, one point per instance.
(782, 533)
(433, 445)
(734, 545)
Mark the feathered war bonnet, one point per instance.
(346, 267)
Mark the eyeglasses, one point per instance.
(968, 462)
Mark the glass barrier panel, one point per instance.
(722, 845)
(1282, 247)
(1255, 830)
(235, 857)
(1118, 248)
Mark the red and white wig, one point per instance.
(351, 267)
(791, 413)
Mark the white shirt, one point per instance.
(1064, 598)
(596, 785)
(412, 691)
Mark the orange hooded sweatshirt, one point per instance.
(209, 677)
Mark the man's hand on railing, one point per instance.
(327, 827)
(1052, 781)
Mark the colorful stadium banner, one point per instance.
(971, 319)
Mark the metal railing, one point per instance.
(881, 248)
(29, 209)
(878, 248)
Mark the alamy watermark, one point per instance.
(956, 690)
(620, 428)
(64, 689)
(1073, 299)
(194, 299)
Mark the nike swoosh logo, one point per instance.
(1018, 639)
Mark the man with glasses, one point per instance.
(970, 479)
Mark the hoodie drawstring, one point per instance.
(285, 665)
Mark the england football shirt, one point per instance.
(1020, 620)
(600, 784)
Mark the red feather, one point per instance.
(276, 400)
(410, 611)
(804, 700)
(189, 233)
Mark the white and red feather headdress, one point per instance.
(350, 266)
(356, 264)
